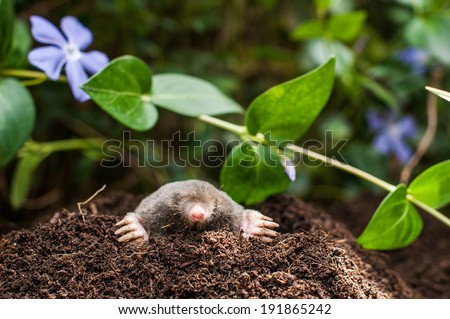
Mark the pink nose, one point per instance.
(197, 213)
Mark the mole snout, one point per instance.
(197, 213)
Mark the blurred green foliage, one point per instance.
(243, 47)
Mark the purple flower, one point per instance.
(289, 167)
(391, 133)
(65, 49)
(415, 58)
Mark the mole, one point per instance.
(192, 206)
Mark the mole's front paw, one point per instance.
(255, 224)
(131, 230)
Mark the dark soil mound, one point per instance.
(424, 265)
(79, 257)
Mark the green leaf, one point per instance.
(416, 32)
(394, 225)
(432, 186)
(17, 116)
(122, 89)
(287, 110)
(23, 177)
(190, 96)
(6, 27)
(252, 173)
(307, 30)
(347, 26)
(320, 50)
(442, 94)
(322, 4)
(20, 46)
(430, 34)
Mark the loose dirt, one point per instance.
(78, 256)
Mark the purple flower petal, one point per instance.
(76, 77)
(375, 120)
(401, 150)
(417, 59)
(76, 33)
(45, 32)
(49, 59)
(289, 168)
(94, 61)
(391, 133)
(382, 143)
(407, 126)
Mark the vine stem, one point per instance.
(30, 75)
(368, 177)
(32, 82)
(433, 212)
(236, 129)
(59, 146)
(242, 132)
(344, 167)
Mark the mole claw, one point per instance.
(126, 229)
(122, 222)
(266, 239)
(132, 236)
(265, 232)
(268, 224)
(131, 229)
(258, 225)
(128, 219)
(125, 237)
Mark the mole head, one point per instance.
(195, 202)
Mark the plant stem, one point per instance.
(64, 145)
(29, 74)
(433, 212)
(237, 129)
(32, 82)
(428, 137)
(368, 177)
(23, 73)
(345, 167)
(242, 132)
